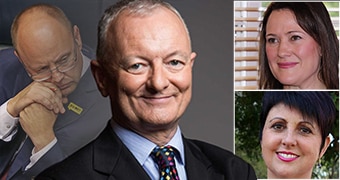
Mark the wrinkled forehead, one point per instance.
(157, 25)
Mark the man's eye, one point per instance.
(43, 69)
(137, 68)
(175, 65)
(174, 62)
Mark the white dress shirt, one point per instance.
(141, 148)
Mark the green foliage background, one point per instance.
(247, 145)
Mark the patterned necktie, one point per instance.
(164, 157)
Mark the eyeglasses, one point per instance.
(63, 66)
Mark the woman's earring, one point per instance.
(318, 165)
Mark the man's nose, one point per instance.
(158, 78)
(56, 75)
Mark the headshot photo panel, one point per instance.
(286, 45)
(288, 134)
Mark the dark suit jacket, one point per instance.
(108, 158)
(72, 130)
(13, 77)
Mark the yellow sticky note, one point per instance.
(75, 108)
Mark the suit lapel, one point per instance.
(121, 164)
(8, 149)
(21, 159)
(197, 166)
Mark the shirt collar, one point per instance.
(141, 147)
(86, 64)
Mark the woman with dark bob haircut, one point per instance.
(294, 131)
(287, 58)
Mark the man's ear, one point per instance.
(77, 37)
(99, 75)
(16, 53)
(192, 58)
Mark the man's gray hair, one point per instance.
(135, 7)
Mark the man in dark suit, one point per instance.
(36, 128)
(144, 64)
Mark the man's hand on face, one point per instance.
(38, 121)
(44, 93)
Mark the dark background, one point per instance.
(209, 117)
